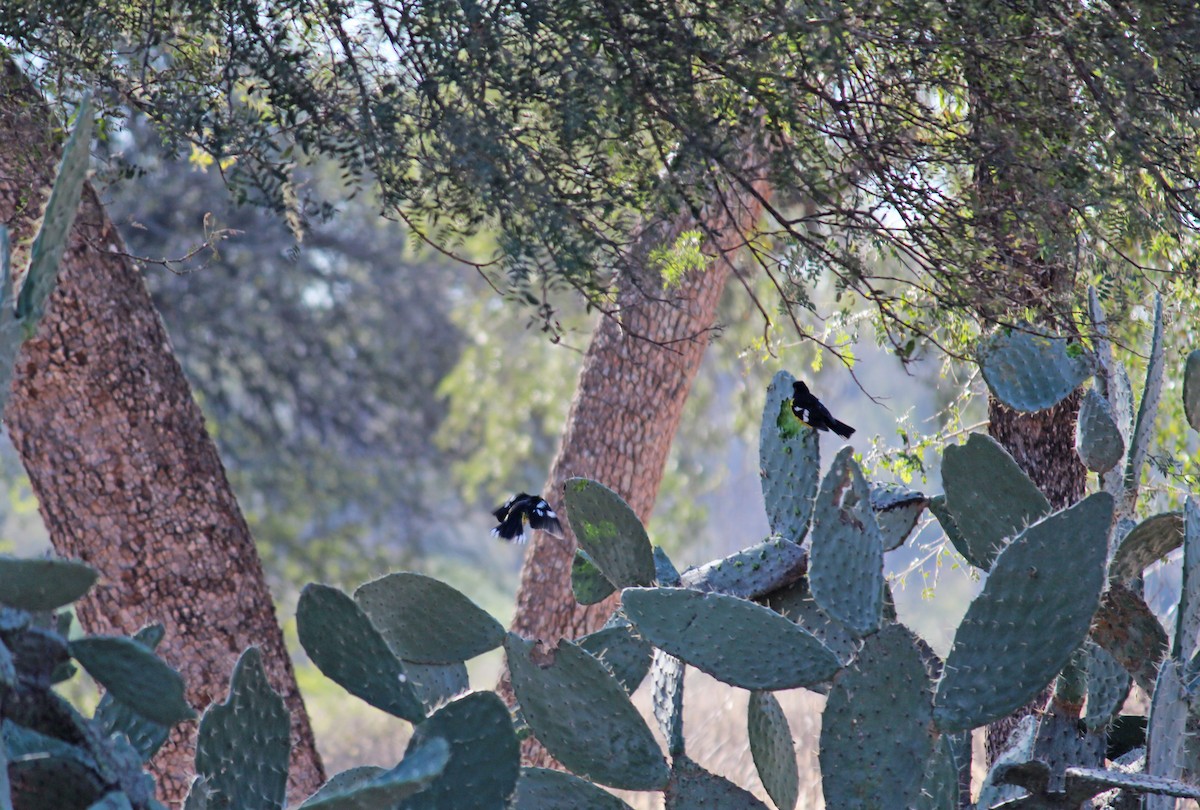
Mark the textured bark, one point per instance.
(127, 478)
(636, 376)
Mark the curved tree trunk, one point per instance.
(127, 478)
(636, 376)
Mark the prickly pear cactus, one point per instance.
(1029, 371)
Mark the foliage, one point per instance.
(969, 143)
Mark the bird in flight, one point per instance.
(809, 410)
(522, 509)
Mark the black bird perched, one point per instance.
(809, 410)
(524, 508)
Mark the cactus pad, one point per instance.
(546, 789)
(739, 642)
(113, 716)
(135, 676)
(1191, 389)
(772, 749)
(346, 647)
(371, 788)
(583, 716)
(796, 603)
(427, 621)
(879, 712)
(1166, 738)
(434, 684)
(665, 572)
(789, 462)
(1098, 440)
(666, 696)
(43, 584)
(1132, 782)
(1150, 541)
(587, 581)
(243, 745)
(1018, 749)
(846, 569)
(751, 572)
(693, 788)
(939, 783)
(1187, 625)
(988, 496)
(1031, 372)
(52, 236)
(1143, 427)
(1107, 686)
(897, 511)
(485, 758)
(622, 651)
(608, 530)
(1033, 613)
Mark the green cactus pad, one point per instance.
(1019, 749)
(846, 569)
(1143, 427)
(789, 462)
(751, 572)
(370, 788)
(666, 697)
(52, 237)
(735, 641)
(43, 584)
(435, 684)
(427, 621)
(939, 783)
(625, 654)
(344, 644)
(1061, 743)
(135, 676)
(1187, 624)
(1150, 541)
(243, 744)
(1031, 372)
(8, 667)
(797, 604)
(693, 788)
(988, 496)
(1033, 613)
(608, 530)
(879, 712)
(587, 580)
(1098, 440)
(1166, 737)
(583, 716)
(546, 789)
(773, 750)
(200, 797)
(665, 573)
(1107, 686)
(897, 511)
(485, 757)
(1191, 389)
(1133, 782)
(114, 717)
(938, 508)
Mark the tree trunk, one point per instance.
(126, 475)
(636, 376)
